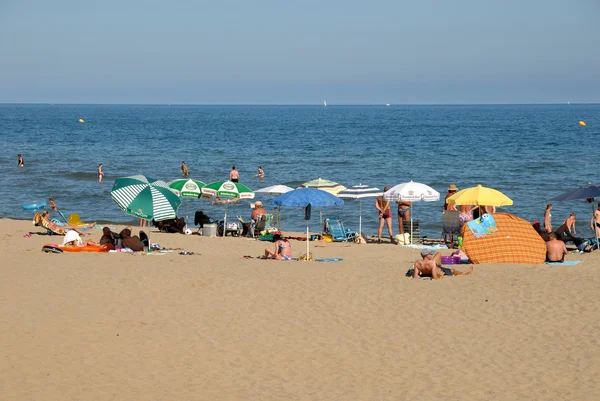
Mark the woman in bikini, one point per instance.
(283, 249)
(385, 216)
(44, 221)
(403, 214)
(21, 164)
(548, 218)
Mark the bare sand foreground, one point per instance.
(214, 326)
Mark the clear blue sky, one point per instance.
(300, 52)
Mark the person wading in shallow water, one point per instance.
(234, 175)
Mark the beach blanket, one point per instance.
(515, 241)
(483, 226)
(565, 263)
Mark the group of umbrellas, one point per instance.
(149, 199)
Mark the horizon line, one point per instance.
(301, 104)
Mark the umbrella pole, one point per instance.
(360, 219)
(225, 222)
(307, 242)
(186, 215)
(321, 220)
(411, 223)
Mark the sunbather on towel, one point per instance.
(283, 249)
(431, 265)
(555, 249)
(109, 237)
(72, 238)
(132, 242)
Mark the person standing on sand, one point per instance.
(385, 216)
(431, 265)
(548, 218)
(403, 214)
(100, 173)
(261, 172)
(452, 188)
(21, 164)
(234, 176)
(184, 169)
(595, 221)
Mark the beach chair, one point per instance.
(40, 222)
(416, 230)
(200, 219)
(75, 220)
(450, 224)
(335, 228)
(262, 223)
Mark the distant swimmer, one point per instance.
(261, 172)
(52, 204)
(100, 173)
(234, 176)
(184, 169)
(21, 164)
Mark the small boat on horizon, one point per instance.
(324, 103)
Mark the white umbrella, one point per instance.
(275, 190)
(360, 191)
(412, 192)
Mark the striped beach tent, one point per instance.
(145, 198)
(360, 191)
(324, 185)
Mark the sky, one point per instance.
(300, 52)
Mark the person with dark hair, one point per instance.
(109, 237)
(134, 243)
(184, 169)
(52, 204)
(555, 249)
(283, 249)
(21, 164)
(260, 172)
(234, 175)
(538, 229)
(175, 225)
(567, 229)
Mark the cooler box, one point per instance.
(209, 230)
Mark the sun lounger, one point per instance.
(335, 228)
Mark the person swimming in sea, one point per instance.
(184, 169)
(100, 173)
(21, 164)
(261, 172)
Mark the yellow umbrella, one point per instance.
(479, 196)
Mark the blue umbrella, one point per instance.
(304, 197)
(588, 191)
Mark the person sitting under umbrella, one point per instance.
(257, 210)
(283, 249)
(431, 265)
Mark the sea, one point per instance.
(529, 152)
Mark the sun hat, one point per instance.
(452, 187)
(258, 204)
(72, 235)
(427, 251)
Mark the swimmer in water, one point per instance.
(21, 164)
(261, 172)
(100, 173)
(184, 169)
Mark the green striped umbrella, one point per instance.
(228, 189)
(145, 198)
(188, 188)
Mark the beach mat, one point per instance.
(565, 263)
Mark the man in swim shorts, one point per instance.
(555, 249)
(431, 265)
(595, 221)
(234, 175)
(184, 169)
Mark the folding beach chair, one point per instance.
(335, 228)
(200, 219)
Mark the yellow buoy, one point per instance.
(582, 123)
(81, 120)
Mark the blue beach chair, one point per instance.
(335, 228)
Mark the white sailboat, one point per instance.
(324, 103)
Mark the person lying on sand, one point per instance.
(134, 243)
(283, 249)
(72, 238)
(431, 265)
(109, 237)
(555, 249)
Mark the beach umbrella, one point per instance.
(227, 189)
(412, 192)
(302, 198)
(145, 198)
(324, 185)
(479, 196)
(275, 190)
(588, 191)
(359, 192)
(187, 188)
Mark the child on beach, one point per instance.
(21, 164)
(100, 173)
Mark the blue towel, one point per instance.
(565, 263)
(483, 226)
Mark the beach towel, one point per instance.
(483, 226)
(515, 242)
(565, 263)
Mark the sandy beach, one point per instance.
(215, 326)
